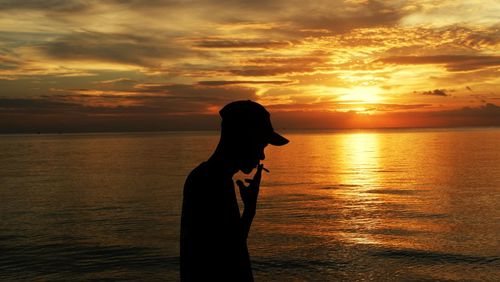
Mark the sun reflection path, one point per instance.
(359, 174)
(360, 160)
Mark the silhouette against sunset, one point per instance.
(250, 140)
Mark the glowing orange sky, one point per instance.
(131, 65)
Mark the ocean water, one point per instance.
(395, 205)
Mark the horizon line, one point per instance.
(278, 129)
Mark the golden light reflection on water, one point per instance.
(360, 160)
(336, 206)
(368, 188)
(360, 155)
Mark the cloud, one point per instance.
(34, 105)
(14, 65)
(117, 81)
(280, 65)
(435, 92)
(146, 98)
(451, 62)
(232, 82)
(147, 107)
(66, 113)
(46, 5)
(315, 58)
(480, 40)
(129, 49)
(484, 115)
(451, 13)
(199, 93)
(333, 105)
(263, 71)
(9, 62)
(348, 16)
(487, 110)
(241, 44)
(197, 55)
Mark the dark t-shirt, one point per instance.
(213, 247)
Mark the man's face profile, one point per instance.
(250, 154)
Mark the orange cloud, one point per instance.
(452, 62)
(362, 62)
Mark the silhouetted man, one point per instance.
(213, 234)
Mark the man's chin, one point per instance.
(247, 170)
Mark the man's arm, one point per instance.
(249, 195)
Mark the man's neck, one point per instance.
(223, 163)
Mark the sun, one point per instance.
(361, 95)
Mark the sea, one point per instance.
(352, 205)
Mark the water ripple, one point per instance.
(432, 257)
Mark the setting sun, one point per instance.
(362, 95)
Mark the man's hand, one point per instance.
(250, 193)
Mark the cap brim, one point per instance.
(277, 140)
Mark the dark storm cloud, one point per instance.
(452, 62)
(117, 48)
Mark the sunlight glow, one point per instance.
(362, 94)
(361, 154)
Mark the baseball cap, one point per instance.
(251, 117)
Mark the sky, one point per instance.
(119, 65)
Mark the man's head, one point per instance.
(247, 130)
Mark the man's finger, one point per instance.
(258, 174)
(240, 184)
(248, 180)
(260, 167)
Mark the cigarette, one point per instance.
(265, 169)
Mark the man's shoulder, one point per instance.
(200, 181)
(202, 171)
(202, 174)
